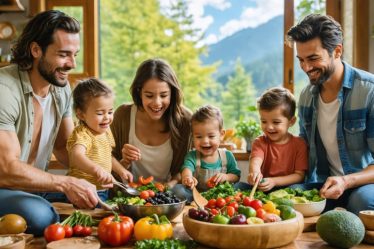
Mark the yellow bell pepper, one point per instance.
(269, 207)
(153, 227)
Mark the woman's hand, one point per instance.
(130, 153)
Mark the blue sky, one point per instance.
(221, 18)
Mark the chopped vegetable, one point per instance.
(165, 244)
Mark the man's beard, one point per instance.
(45, 70)
(324, 75)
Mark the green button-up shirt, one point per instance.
(17, 111)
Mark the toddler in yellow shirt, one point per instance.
(90, 145)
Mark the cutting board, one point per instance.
(369, 237)
(310, 224)
(89, 242)
(66, 209)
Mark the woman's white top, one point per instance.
(327, 125)
(155, 160)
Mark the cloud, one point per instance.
(253, 16)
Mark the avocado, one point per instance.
(283, 201)
(340, 228)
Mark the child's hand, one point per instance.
(220, 177)
(253, 176)
(266, 184)
(189, 181)
(130, 153)
(126, 176)
(105, 178)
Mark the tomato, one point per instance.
(133, 184)
(145, 181)
(144, 194)
(214, 211)
(229, 199)
(160, 187)
(247, 201)
(151, 193)
(260, 213)
(12, 224)
(234, 204)
(68, 231)
(77, 230)
(153, 227)
(115, 230)
(230, 211)
(211, 203)
(148, 204)
(86, 231)
(210, 183)
(54, 232)
(220, 202)
(256, 204)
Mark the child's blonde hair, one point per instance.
(208, 112)
(278, 97)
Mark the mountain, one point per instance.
(249, 45)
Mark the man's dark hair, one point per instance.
(317, 26)
(41, 29)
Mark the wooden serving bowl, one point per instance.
(367, 217)
(267, 235)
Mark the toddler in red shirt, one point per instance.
(278, 158)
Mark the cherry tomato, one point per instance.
(77, 230)
(234, 204)
(210, 183)
(54, 232)
(133, 184)
(145, 181)
(247, 201)
(238, 196)
(144, 195)
(214, 211)
(160, 187)
(260, 213)
(256, 204)
(230, 211)
(86, 231)
(148, 204)
(211, 203)
(220, 202)
(229, 199)
(151, 193)
(68, 231)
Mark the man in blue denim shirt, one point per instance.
(336, 112)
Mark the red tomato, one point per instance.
(133, 184)
(115, 230)
(211, 203)
(247, 201)
(160, 187)
(256, 204)
(229, 199)
(148, 204)
(86, 231)
(260, 213)
(230, 211)
(220, 202)
(68, 231)
(214, 211)
(77, 230)
(151, 193)
(145, 181)
(54, 232)
(144, 194)
(210, 183)
(235, 205)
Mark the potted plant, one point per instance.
(249, 130)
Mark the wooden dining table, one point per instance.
(309, 239)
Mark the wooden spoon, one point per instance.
(198, 198)
(254, 189)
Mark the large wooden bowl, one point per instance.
(268, 235)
